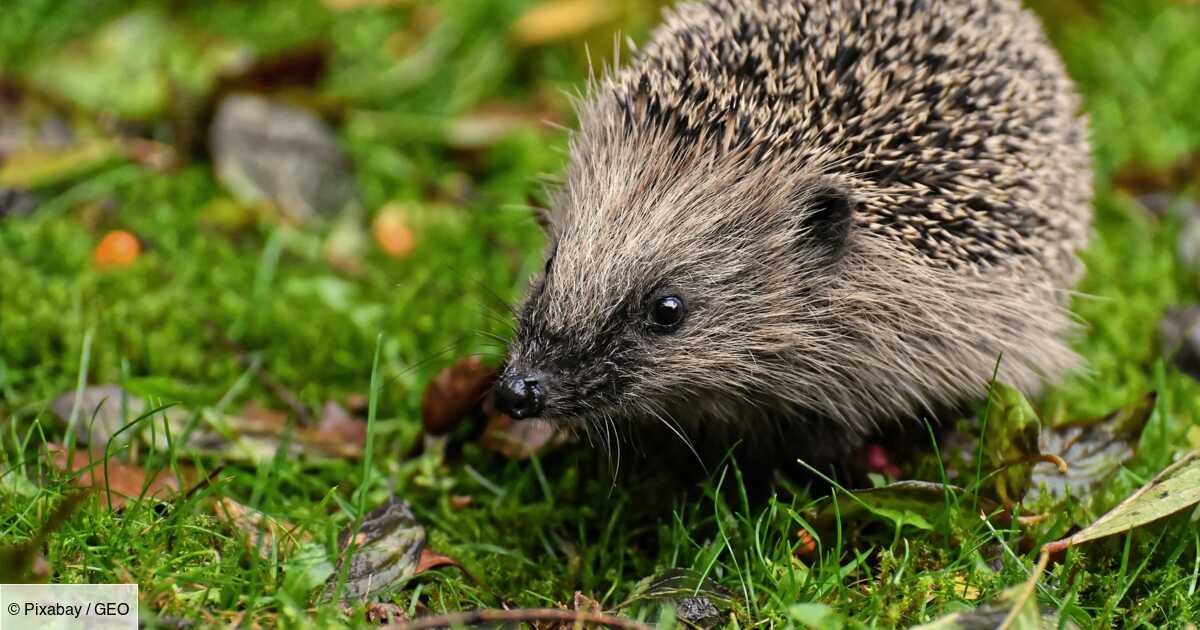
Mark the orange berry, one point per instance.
(118, 248)
(392, 233)
(808, 545)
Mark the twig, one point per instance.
(519, 615)
(204, 483)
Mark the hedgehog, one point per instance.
(788, 225)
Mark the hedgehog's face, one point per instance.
(560, 367)
(642, 312)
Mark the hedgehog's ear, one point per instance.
(826, 218)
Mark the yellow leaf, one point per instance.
(34, 168)
(556, 20)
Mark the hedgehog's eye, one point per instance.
(667, 314)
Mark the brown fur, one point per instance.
(953, 130)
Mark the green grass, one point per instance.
(538, 532)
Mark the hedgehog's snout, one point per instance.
(521, 393)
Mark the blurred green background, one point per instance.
(436, 126)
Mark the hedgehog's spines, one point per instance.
(951, 126)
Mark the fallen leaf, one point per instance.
(33, 168)
(432, 560)
(454, 393)
(1139, 178)
(557, 20)
(259, 531)
(301, 66)
(389, 549)
(103, 410)
(1174, 489)
(257, 433)
(461, 501)
(258, 418)
(117, 249)
(697, 600)
(350, 5)
(392, 233)
(583, 603)
(919, 504)
(521, 440)
(1093, 451)
(385, 613)
(123, 480)
(338, 425)
(486, 126)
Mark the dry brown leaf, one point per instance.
(259, 531)
(339, 425)
(1139, 178)
(586, 604)
(454, 393)
(259, 418)
(431, 559)
(123, 480)
(261, 430)
(350, 5)
(557, 20)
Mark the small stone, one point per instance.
(268, 150)
(1179, 338)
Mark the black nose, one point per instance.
(521, 395)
